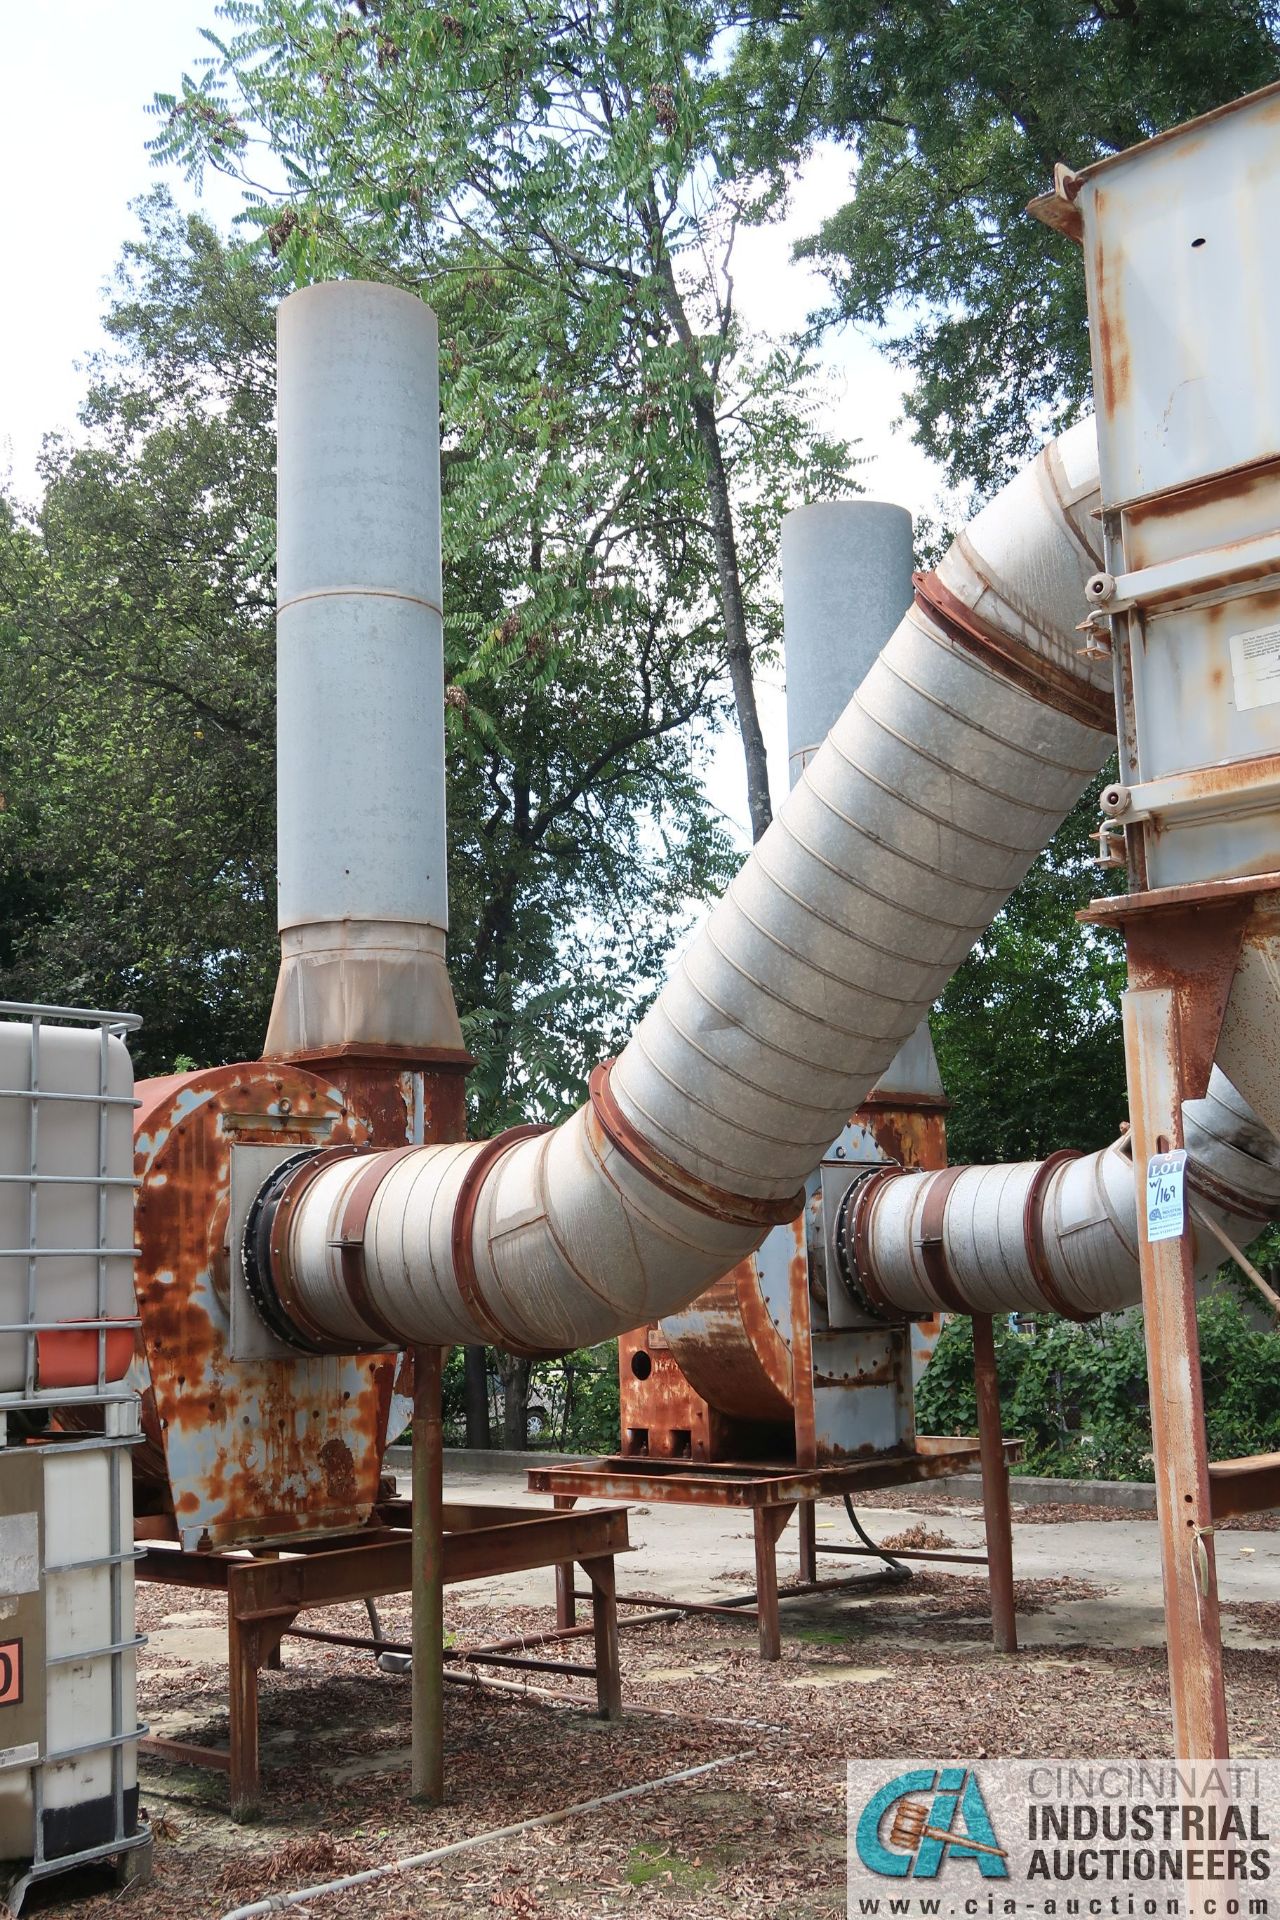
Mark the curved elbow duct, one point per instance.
(949, 770)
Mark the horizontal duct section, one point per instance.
(1057, 1235)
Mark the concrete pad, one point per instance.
(198, 1646)
(693, 1553)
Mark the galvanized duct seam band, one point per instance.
(908, 830)
(1061, 1237)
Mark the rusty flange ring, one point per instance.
(853, 1221)
(1033, 1235)
(350, 1243)
(933, 1249)
(737, 1209)
(1013, 660)
(464, 1220)
(266, 1234)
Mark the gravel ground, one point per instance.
(896, 1670)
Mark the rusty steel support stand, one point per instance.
(604, 1622)
(427, 1736)
(769, 1523)
(995, 1487)
(242, 1711)
(566, 1612)
(807, 1521)
(1154, 1059)
(251, 1645)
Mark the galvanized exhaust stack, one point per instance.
(363, 893)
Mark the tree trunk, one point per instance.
(732, 612)
(514, 1374)
(475, 1396)
(737, 644)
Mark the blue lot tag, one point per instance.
(1166, 1195)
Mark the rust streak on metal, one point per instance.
(730, 1351)
(913, 1134)
(661, 1413)
(1113, 351)
(1195, 951)
(804, 1411)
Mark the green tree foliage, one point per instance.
(956, 115)
(559, 184)
(137, 748)
(1027, 1030)
(1078, 1394)
(573, 1401)
(136, 669)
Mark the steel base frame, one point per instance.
(774, 1493)
(266, 1593)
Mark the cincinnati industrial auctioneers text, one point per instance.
(1133, 1840)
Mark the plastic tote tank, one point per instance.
(68, 1714)
(66, 1208)
(68, 1702)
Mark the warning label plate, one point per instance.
(1255, 667)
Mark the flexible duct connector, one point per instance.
(1059, 1234)
(951, 767)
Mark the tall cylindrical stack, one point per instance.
(846, 583)
(363, 896)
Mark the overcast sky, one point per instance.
(75, 80)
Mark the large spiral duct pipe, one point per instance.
(950, 768)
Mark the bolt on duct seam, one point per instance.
(968, 742)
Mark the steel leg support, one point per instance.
(566, 1612)
(807, 1520)
(769, 1522)
(250, 1646)
(427, 1737)
(244, 1655)
(1153, 1053)
(604, 1621)
(995, 1487)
